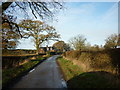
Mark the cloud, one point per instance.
(87, 19)
(84, 19)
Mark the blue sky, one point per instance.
(95, 20)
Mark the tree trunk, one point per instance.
(37, 49)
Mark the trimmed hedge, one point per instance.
(13, 61)
(105, 59)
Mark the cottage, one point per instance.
(44, 50)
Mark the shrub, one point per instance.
(100, 60)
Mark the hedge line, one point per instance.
(104, 59)
(13, 61)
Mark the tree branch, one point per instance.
(32, 10)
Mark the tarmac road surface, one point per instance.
(45, 75)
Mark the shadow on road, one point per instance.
(95, 79)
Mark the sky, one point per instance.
(95, 20)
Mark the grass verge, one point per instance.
(68, 68)
(77, 78)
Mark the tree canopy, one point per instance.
(111, 41)
(42, 10)
(77, 42)
(61, 46)
(39, 31)
(9, 37)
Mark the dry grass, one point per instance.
(14, 61)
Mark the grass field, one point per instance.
(77, 78)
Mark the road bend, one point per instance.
(45, 75)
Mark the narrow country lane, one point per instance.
(45, 75)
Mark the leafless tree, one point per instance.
(78, 42)
(41, 10)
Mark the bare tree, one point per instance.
(111, 41)
(43, 10)
(78, 42)
(40, 8)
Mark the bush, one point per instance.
(72, 54)
(13, 61)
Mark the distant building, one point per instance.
(43, 50)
